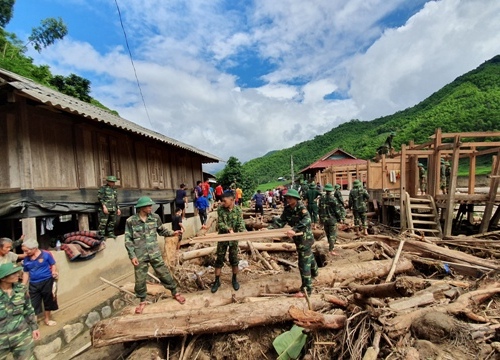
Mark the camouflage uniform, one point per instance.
(228, 220)
(330, 211)
(311, 195)
(141, 243)
(17, 323)
(339, 197)
(107, 195)
(358, 197)
(300, 221)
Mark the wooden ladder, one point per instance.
(422, 216)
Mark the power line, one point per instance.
(133, 65)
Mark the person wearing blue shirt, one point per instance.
(202, 205)
(259, 202)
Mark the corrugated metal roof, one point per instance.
(89, 111)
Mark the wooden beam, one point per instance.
(488, 210)
(472, 173)
(468, 135)
(448, 220)
(437, 164)
(402, 188)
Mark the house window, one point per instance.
(155, 168)
(109, 157)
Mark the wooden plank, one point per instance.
(434, 186)
(24, 156)
(488, 210)
(424, 222)
(242, 236)
(420, 206)
(472, 173)
(474, 134)
(402, 190)
(448, 217)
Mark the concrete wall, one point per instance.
(81, 278)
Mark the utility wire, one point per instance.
(133, 65)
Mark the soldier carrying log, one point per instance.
(230, 220)
(296, 215)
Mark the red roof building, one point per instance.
(336, 157)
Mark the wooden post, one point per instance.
(472, 171)
(384, 173)
(448, 216)
(29, 228)
(437, 164)
(488, 210)
(83, 222)
(349, 180)
(402, 188)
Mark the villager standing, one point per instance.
(330, 212)
(218, 193)
(312, 196)
(259, 199)
(109, 209)
(358, 196)
(141, 230)
(18, 326)
(239, 196)
(296, 215)
(39, 269)
(181, 199)
(6, 254)
(202, 205)
(229, 220)
(422, 178)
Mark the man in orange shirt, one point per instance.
(239, 196)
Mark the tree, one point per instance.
(6, 11)
(233, 174)
(47, 33)
(72, 85)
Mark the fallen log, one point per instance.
(241, 236)
(270, 260)
(402, 287)
(313, 320)
(281, 283)
(201, 321)
(170, 250)
(401, 323)
(440, 253)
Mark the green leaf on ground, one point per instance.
(289, 344)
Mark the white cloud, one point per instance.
(444, 40)
(317, 47)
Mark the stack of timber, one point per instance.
(382, 296)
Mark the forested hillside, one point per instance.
(470, 103)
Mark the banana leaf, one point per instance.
(289, 344)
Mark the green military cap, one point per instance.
(420, 165)
(329, 187)
(292, 193)
(8, 269)
(144, 201)
(312, 186)
(447, 163)
(337, 186)
(442, 161)
(111, 178)
(356, 183)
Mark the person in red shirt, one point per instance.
(205, 188)
(218, 193)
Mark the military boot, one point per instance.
(215, 285)
(236, 284)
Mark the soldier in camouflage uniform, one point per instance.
(109, 208)
(442, 178)
(422, 178)
(141, 230)
(312, 196)
(330, 211)
(338, 195)
(296, 215)
(358, 197)
(18, 326)
(229, 220)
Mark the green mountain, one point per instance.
(470, 103)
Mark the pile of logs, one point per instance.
(382, 296)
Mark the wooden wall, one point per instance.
(51, 150)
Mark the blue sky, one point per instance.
(242, 78)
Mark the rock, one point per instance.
(106, 312)
(92, 319)
(48, 351)
(118, 304)
(72, 331)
